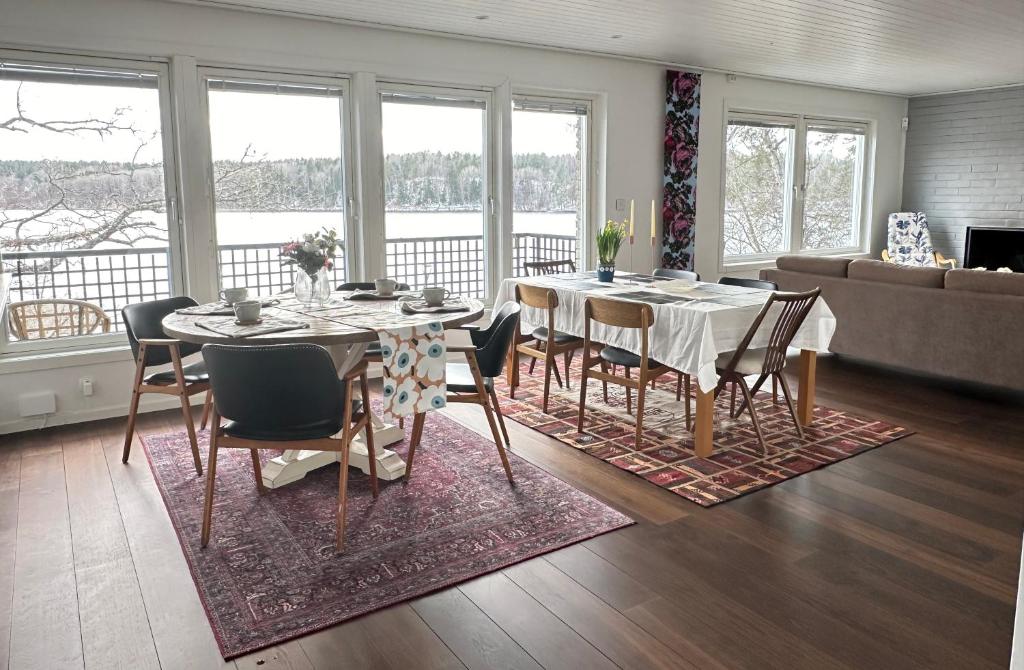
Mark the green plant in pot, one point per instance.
(609, 239)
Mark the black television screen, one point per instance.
(995, 248)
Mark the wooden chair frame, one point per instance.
(795, 308)
(177, 388)
(621, 314)
(545, 299)
(549, 267)
(352, 424)
(479, 397)
(90, 316)
(940, 260)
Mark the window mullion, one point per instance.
(798, 191)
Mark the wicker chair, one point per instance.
(43, 319)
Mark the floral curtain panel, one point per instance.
(679, 202)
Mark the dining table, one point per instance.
(344, 325)
(694, 323)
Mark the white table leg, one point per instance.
(293, 464)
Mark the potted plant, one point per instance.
(609, 239)
(313, 255)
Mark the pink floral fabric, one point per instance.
(413, 359)
(679, 204)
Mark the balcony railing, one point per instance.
(113, 278)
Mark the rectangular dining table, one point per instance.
(694, 323)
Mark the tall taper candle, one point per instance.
(652, 221)
(632, 218)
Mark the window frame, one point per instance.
(584, 232)
(796, 189)
(352, 240)
(176, 252)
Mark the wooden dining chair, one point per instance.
(286, 396)
(534, 268)
(763, 284)
(544, 343)
(768, 361)
(621, 314)
(473, 381)
(151, 347)
(55, 317)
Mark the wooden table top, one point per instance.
(323, 328)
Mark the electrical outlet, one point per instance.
(85, 383)
(620, 204)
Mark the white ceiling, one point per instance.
(896, 46)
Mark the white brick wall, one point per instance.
(965, 163)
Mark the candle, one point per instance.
(652, 221)
(632, 217)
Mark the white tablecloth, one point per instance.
(688, 336)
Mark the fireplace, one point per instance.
(994, 248)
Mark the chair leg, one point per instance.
(567, 357)
(401, 422)
(414, 441)
(371, 453)
(133, 408)
(533, 364)
(604, 384)
(629, 394)
(641, 392)
(775, 389)
(789, 401)
(257, 470)
(190, 426)
(753, 391)
(732, 402)
(211, 475)
(501, 419)
(583, 392)
(339, 532)
(753, 415)
(207, 404)
(679, 387)
(549, 363)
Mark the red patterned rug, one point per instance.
(666, 457)
(270, 572)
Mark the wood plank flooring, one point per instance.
(904, 557)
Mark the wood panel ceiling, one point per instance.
(905, 47)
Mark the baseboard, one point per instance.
(93, 414)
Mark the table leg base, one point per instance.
(284, 470)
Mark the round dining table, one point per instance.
(340, 326)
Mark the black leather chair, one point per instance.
(473, 381)
(285, 396)
(749, 283)
(676, 274)
(151, 347)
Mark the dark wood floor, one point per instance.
(904, 557)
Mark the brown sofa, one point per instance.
(961, 324)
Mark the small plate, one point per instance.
(249, 323)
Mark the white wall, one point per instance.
(629, 119)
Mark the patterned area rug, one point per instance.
(666, 455)
(270, 572)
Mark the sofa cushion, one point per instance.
(816, 265)
(1007, 283)
(890, 273)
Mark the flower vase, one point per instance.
(303, 287)
(606, 273)
(321, 287)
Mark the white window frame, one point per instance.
(796, 182)
(585, 232)
(352, 241)
(489, 140)
(175, 237)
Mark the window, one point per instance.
(435, 190)
(550, 142)
(85, 217)
(278, 173)
(792, 184)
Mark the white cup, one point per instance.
(385, 287)
(248, 311)
(233, 295)
(435, 296)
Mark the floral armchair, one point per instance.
(910, 243)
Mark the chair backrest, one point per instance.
(676, 274)
(367, 286)
(493, 343)
(749, 283)
(41, 319)
(534, 268)
(142, 321)
(275, 387)
(620, 314)
(795, 308)
(910, 242)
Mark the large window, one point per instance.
(84, 209)
(550, 142)
(278, 173)
(792, 184)
(435, 190)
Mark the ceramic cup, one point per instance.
(233, 295)
(434, 296)
(248, 311)
(385, 287)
